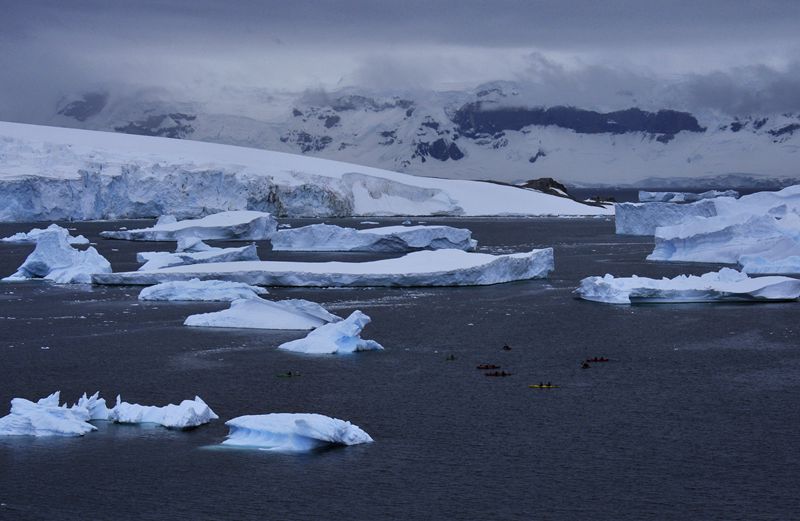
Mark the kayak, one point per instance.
(537, 386)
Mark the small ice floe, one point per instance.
(186, 415)
(370, 222)
(34, 234)
(47, 418)
(726, 285)
(257, 313)
(407, 222)
(336, 337)
(241, 225)
(201, 290)
(153, 260)
(56, 260)
(328, 237)
(292, 432)
(284, 225)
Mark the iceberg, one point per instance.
(257, 313)
(644, 218)
(47, 418)
(56, 260)
(162, 259)
(188, 414)
(327, 237)
(34, 234)
(726, 285)
(422, 268)
(334, 338)
(243, 225)
(201, 290)
(760, 265)
(683, 197)
(292, 432)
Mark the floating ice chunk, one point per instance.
(202, 290)
(725, 285)
(190, 413)
(337, 337)
(46, 418)
(327, 237)
(166, 219)
(34, 234)
(242, 225)
(94, 405)
(265, 314)
(54, 259)
(644, 218)
(422, 268)
(191, 244)
(292, 432)
(760, 265)
(153, 260)
(683, 197)
(370, 222)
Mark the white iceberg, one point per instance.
(47, 418)
(335, 338)
(644, 218)
(186, 415)
(55, 260)
(726, 285)
(190, 244)
(760, 265)
(34, 234)
(292, 432)
(242, 225)
(162, 259)
(422, 268)
(201, 290)
(258, 313)
(683, 197)
(327, 237)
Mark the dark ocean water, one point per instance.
(695, 417)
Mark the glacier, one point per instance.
(327, 237)
(186, 415)
(34, 234)
(726, 285)
(54, 259)
(334, 338)
(52, 173)
(152, 260)
(683, 197)
(201, 290)
(244, 225)
(47, 418)
(292, 432)
(257, 313)
(421, 268)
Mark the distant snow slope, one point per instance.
(50, 173)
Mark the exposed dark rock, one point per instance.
(439, 149)
(306, 141)
(548, 185)
(473, 120)
(539, 153)
(788, 129)
(172, 125)
(83, 109)
(296, 113)
(389, 137)
(665, 138)
(331, 121)
(736, 126)
(757, 124)
(356, 102)
(409, 112)
(430, 124)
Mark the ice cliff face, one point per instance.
(53, 173)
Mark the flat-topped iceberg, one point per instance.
(334, 338)
(726, 285)
(186, 415)
(258, 313)
(328, 237)
(201, 290)
(34, 234)
(683, 197)
(760, 265)
(644, 218)
(47, 418)
(152, 260)
(422, 268)
(242, 225)
(56, 260)
(292, 432)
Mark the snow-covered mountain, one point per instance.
(495, 131)
(51, 173)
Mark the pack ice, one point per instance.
(47, 418)
(56, 260)
(327, 237)
(54, 173)
(201, 290)
(334, 338)
(292, 432)
(422, 268)
(726, 285)
(186, 415)
(241, 225)
(257, 313)
(34, 234)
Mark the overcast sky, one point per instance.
(727, 55)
